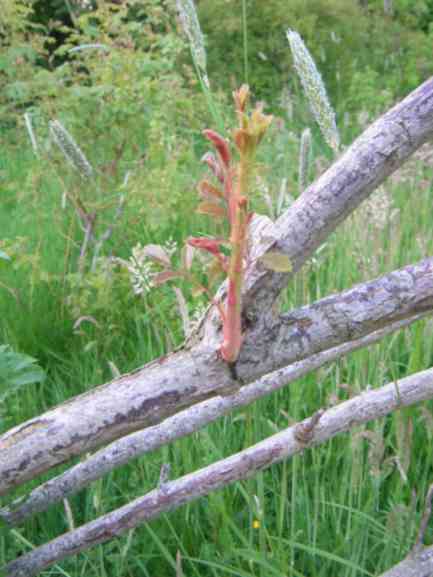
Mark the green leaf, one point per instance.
(276, 261)
(16, 370)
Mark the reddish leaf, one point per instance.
(209, 244)
(208, 190)
(212, 209)
(241, 97)
(220, 144)
(165, 276)
(214, 165)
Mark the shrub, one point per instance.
(394, 48)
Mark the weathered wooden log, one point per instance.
(324, 425)
(180, 425)
(418, 565)
(166, 386)
(149, 395)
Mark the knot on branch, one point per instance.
(304, 432)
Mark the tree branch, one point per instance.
(148, 395)
(370, 405)
(152, 394)
(376, 154)
(338, 318)
(420, 565)
(180, 425)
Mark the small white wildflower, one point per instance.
(304, 159)
(170, 247)
(191, 26)
(70, 149)
(141, 271)
(314, 89)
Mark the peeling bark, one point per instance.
(180, 425)
(372, 404)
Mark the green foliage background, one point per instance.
(136, 109)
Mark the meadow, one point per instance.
(351, 507)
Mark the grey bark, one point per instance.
(180, 425)
(170, 384)
(372, 404)
(146, 396)
(376, 154)
(417, 565)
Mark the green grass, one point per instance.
(342, 509)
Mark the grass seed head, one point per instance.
(314, 89)
(70, 149)
(191, 26)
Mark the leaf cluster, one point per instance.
(17, 370)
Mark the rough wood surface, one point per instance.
(180, 425)
(149, 395)
(372, 404)
(419, 565)
(168, 385)
(376, 154)
(146, 396)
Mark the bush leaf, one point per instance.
(17, 370)
(276, 261)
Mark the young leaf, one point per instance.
(17, 370)
(276, 261)
(208, 190)
(211, 245)
(214, 166)
(187, 256)
(220, 144)
(212, 209)
(164, 276)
